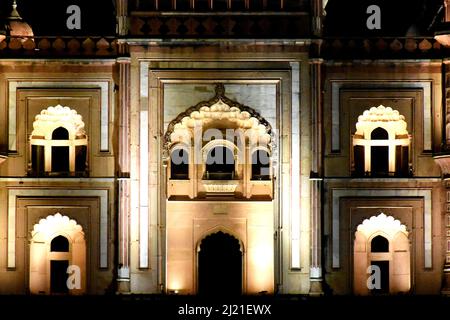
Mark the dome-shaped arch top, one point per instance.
(386, 224)
(57, 224)
(218, 109)
(58, 116)
(381, 117)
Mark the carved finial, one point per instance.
(14, 15)
(220, 90)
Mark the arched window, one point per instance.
(381, 144)
(179, 164)
(60, 133)
(58, 143)
(60, 154)
(260, 165)
(59, 244)
(379, 244)
(220, 164)
(379, 154)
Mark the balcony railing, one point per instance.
(92, 47)
(231, 19)
(381, 48)
(219, 5)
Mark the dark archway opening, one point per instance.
(379, 162)
(58, 276)
(179, 164)
(260, 165)
(381, 270)
(379, 244)
(58, 268)
(60, 154)
(37, 160)
(220, 164)
(59, 244)
(220, 266)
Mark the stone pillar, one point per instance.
(121, 17)
(446, 218)
(123, 173)
(316, 178)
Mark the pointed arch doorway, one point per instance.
(220, 265)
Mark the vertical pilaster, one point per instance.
(122, 17)
(446, 218)
(316, 178)
(446, 104)
(124, 176)
(317, 18)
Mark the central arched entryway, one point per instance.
(220, 265)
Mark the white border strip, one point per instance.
(104, 112)
(14, 193)
(336, 86)
(295, 168)
(338, 193)
(143, 168)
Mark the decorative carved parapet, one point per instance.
(382, 48)
(282, 25)
(58, 46)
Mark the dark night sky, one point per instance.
(344, 17)
(48, 17)
(348, 17)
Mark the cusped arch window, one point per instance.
(179, 164)
(381, 144)
(58, 143)
(260, 165)
(59, 244)
(379, 244)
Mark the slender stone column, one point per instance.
(121, 17)
(316, 179)
(317, 17)
(124, 176)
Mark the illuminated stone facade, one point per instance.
(107, 142)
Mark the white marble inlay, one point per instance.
(144, 168)
(295, 167)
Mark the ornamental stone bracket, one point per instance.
(220, 186)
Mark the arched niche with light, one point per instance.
(58, 143)
(57, 245)
(226, 131)
(382, 241)
(381, 144)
